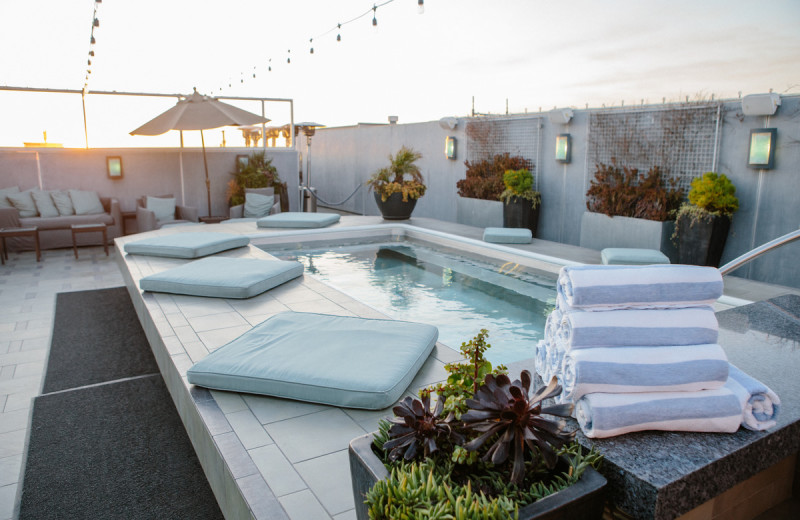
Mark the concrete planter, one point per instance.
(583, 500)
(600, 231)
(479, 212)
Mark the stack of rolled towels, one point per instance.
(635, 348)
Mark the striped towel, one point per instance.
(607, 287)
(541, 360)
(760, 404)
(638, 328)
(681, 368)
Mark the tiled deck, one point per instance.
(264, 441)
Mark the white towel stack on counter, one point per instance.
(635, 348)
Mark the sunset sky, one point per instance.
(419, 67)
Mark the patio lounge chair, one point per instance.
(162, 211)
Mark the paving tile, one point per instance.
(323, 306)
(20, 400)
(196, 350)
(347, 515)
(7, 372)
(10, 421)
(12, 443)
(10, 469)
(277, 470)
(258, 306)
(302, 506)
(8, 495)
(235, 456)
(217, 321)
(259, 497)
(229, 402)
(213, 339)
(272, 409)
(33, 369)
(324, 476)
(251, 432)
(299, 438)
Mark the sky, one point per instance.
(526, 55)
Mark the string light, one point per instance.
(311, 41)
(289, 59)
(339, 36)
(92, 42)
(374, 19)
(421, 6)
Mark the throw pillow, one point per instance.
(164, 209)
(257, 206)
(4, 202)
(44, 204)
(86, 202)
(63, 202)
(24, 203)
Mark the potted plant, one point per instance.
(522, 202)
(702, 224)
(484, 448)
(257, 172)
(479, 202)
(398, 186)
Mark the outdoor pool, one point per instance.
(460, 295)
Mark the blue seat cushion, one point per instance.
(296, 219)
(632, 256)
(500, 235)
(220, 277)
(334, 360)
(186, 245)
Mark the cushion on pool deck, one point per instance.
(186, 245)
(296, 219)
(498, 235)
(632, 256)
(334, 360)
(220, 277)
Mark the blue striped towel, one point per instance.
(541, 360)
(683, 368)
(638, 328)
(760, 404)
(607, 287)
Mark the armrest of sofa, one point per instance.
(186, 213)
(236, 211)
(145, 219)
(115, 230)
(276, 206)
(9, 218)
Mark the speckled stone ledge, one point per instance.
(661, 475)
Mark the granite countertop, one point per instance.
(661, 475)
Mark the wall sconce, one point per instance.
(563, 148)
(114, 167)
(762, 148)
(450, 147)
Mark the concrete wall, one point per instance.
(146, 171)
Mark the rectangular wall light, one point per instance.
(450, 147)
(762, 148)
(563, 148)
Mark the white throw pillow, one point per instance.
(86, 202)
(164, 209)
(24, 203)
(63, 202)
(4, 202)
(44, 204)
(256, 205)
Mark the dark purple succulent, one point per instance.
(505, 408)
(414, 425)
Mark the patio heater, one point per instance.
(308, 202)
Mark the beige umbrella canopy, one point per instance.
(199, 112)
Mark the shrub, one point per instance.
(622, 191)
(485, 177)
(257, 173)
(392, 179)
(714, 193)
(519, 184)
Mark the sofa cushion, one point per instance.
(44, 204)
(186, 245)
(632, 256)
(23, 202)
(4, 202)
(62, 202)
(257, 206)
(86, 202)
(296, 219)
(163, 208)
(220, 277)
(498, 235)
(334, 360)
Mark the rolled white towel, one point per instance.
(638, 327)
(540, 361)
(643, 369)
(760, 404)
(606, 287)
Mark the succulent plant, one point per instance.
(504, 410)
(415, 425)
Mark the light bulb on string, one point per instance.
(269, 65)
(92, 41)
(91, 53)
(374, 19)
(339, 34)
(254, 71)
(311, 41)
(96, 23)
(289, 58)
(420, 6)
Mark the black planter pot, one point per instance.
(702, 242)
(518, 213)
(581, 501)
(394, 208)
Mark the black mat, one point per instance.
(96, 338)
(116, 449)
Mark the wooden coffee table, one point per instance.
(19, 232)
(88, 228)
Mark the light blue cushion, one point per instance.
(163, 209)
(186, 245)
(86, 202)
(632, 256)
(295, 219)
(499, 235)
(220, 277)
(334, 360)
(256, 205)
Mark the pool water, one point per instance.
(458, 295)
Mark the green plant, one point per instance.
(258, 172)
(519, 184)
(392, 179)
(484, 178)
(416, 425)
(622, 191)
(711, 195)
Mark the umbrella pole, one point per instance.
(205, 164)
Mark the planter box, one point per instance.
(583, 500)
(600, 231)
(479, 212)
(518, 213)
(702, 242)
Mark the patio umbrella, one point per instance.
(199, 112)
